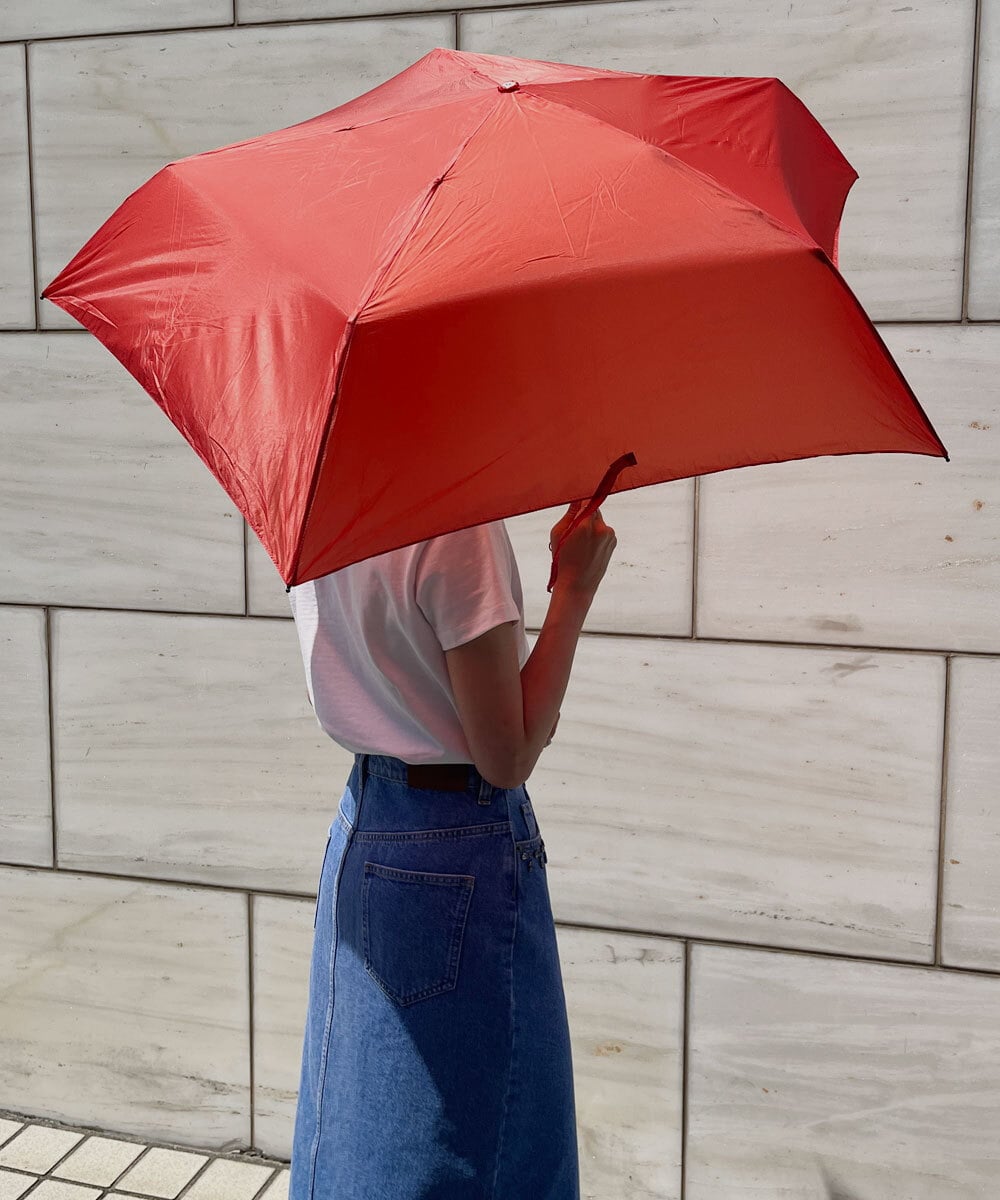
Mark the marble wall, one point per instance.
(772, 808)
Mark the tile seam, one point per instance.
(970, 165)
(625, 930)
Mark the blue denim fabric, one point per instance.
(436, 1062)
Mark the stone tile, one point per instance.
(889, 83)
(226, 1179)
(13, 1184)
(984, 234)
(187, 749)
(17, 305)
(99, 1160)
(870, 549)
(131, 1002)
(810, 1077)
(8, 1128)
(266, 595)
(104, 502)
(65, 18)
(162, 1172)
(788, 796)
(278, 1190)
(121, 108)
(26, 826)
(56, 1189)
(37, 1147)
(625, 1002)
(282, 945)
(647, 592)
(248, 11)
(970, 912)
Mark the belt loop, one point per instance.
(485, 792)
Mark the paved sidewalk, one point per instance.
(43, 1160)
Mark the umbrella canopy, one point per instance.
(462, 295)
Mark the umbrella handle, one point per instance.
(593, 504)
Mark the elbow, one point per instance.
(519, 773)
(508, 775)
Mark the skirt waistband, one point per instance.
(439, 777)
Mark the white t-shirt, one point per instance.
(373, 637)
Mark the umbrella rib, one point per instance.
(380, 273)
(331, 413)
(686, 166)
(377, 278)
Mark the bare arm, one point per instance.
(507, 714)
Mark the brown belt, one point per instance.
(442, 777)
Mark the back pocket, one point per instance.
(413, 924)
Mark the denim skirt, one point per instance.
(436, 1061)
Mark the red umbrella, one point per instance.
(463, 294)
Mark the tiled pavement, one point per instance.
(47, 1161)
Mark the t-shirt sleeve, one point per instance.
(464, 583)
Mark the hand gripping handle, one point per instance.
(592, 505)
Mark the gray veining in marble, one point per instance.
(25, 791)
(282, 945)
(984, 235)
(625, 1003)
(17, 308)
(130, 996)
(889, 83)
(870, 549)
(186, 748)
(823, 1079)
(119, 109)
(787, 796)
(102, 500)
(971, 860)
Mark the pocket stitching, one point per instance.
(464, 885)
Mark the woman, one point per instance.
(436, 1061)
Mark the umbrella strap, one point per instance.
(594, 503)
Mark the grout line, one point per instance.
(246, 571)
(966, 257)
(195, 1177)
(685, 1043)
(945, 739)
(31, 191)
(635, 931)
(161, 881)
(695, 554)
(47, 647)
(458, 31)
(251, 1158)
(293, 22)
(250, 1018)
(770, 948)
(683, 638)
